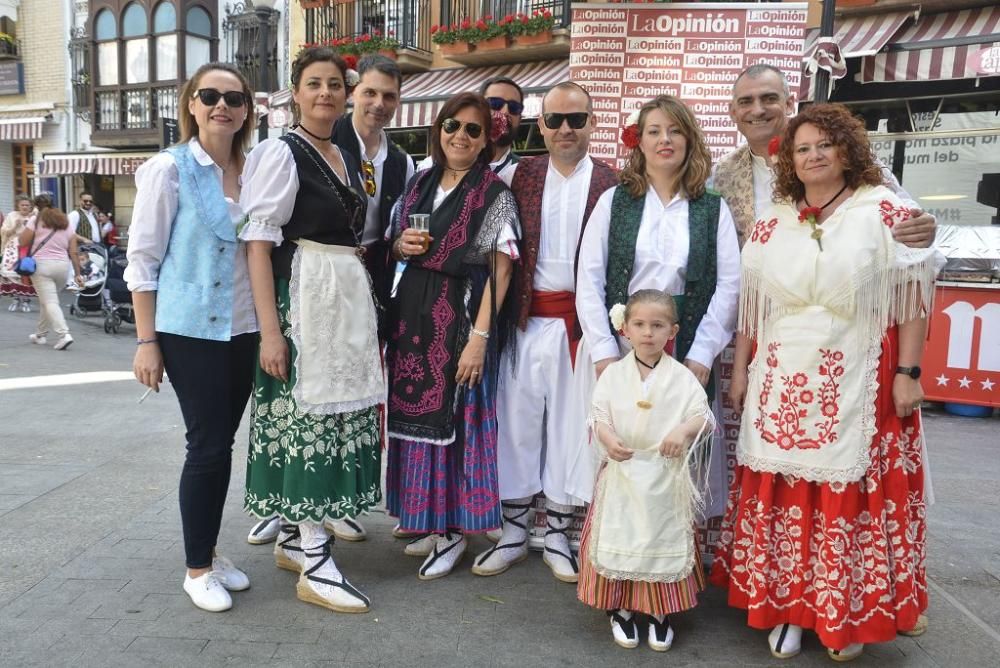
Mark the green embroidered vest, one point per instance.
(701, 274)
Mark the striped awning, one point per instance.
(860, 35)
(937, 47)
(424, 94)
(106, 164)
(21, 128)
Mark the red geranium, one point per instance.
(630, 136)
(774, 146)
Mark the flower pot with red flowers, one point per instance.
(488, 35)
(532, 30)
(452, 39)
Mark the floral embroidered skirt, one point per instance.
(440, 487)
(846, 560)
(651, 598)
(305, 467)
(10, 283)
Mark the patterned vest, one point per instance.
(528, 186)
(701, 274)
(83, 227)
(734, 181)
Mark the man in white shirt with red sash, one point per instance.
(555, 194)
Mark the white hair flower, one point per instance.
(633, 118)
(617, 315)
(351, 78)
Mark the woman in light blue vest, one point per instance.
(194, 312)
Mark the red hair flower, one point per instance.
(810, 215)
(351, 61)
(630, 136)
(774, 146)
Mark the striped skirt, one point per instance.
(651, 598)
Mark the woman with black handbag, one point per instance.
(52, 246)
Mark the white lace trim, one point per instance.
(414, 439)
(344, 368)
(258, 229)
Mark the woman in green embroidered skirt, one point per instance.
(314, 443)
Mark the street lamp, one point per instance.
(264, 9)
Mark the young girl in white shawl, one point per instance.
(638, 552)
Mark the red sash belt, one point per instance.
(558, 305)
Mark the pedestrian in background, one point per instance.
(187, 271)
(53, 245)
(11, 283)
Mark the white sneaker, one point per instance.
(447, 551)
(231, 577)
(661, 634)
(25, 306)
(38, 339)
(420, 546)
(323, 584)
(849, 653)
(785, 641)
(347, 529)
(623, 629)
(13, 306)
(288, 549)
(207, 592)
(265, 531)
(63, 343)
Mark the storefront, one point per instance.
(108, 176)
(928, 87)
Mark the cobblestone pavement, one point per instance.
(91, 563)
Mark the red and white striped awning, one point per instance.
(107, 164)
(21, 129)
(424, 94)
(937, 47)
(861, 35)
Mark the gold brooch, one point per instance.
(644, 404)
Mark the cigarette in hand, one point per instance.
(144, 395)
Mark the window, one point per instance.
(106, 34)
(135, 26)
(24, 168)
(197, 51)
(164, 27)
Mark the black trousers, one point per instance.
(212, 381)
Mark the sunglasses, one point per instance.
(513, 106)
(451, 126)
(86, 201)
(210, 97)
(368, 169)
(576, 120)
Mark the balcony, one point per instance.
(456, 11)
(407, 22)
(130, 116)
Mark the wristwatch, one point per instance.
(911, 371)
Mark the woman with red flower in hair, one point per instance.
(661, 230)
(824, 529)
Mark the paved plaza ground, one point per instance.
(91, 561)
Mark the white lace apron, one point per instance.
(333, 327)
(642, 526)
(818, 317)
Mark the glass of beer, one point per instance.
(421, 222)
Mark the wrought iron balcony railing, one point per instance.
(453, 11)
(406, 21)
(134, 108)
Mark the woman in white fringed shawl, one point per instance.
(825, 526)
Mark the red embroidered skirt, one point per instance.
(847, 561)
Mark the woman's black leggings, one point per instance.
(212, 381)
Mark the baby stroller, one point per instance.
(94, 270)
(118, 306)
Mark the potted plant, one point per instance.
(8, 45)
(449, 39)
(532, 30)
(491, 35)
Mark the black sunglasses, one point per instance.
(576, 120)
(513, 106)
(210, 97)
(451, 126)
